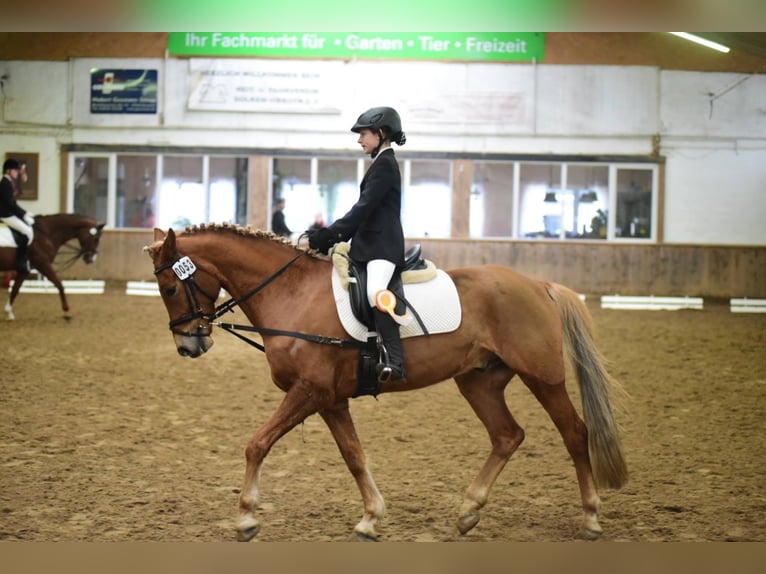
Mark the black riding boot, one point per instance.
(392, 367)
(22, 260)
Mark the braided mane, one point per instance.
(248, 231)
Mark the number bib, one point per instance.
(184, 268)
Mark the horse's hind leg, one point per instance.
(338, 419)
(555, 399)
(484, 391)
(296, 405)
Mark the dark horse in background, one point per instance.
(511, 325)
(51, 232)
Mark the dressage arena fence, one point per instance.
(76, 286)
(745, 305)
(624, 302)
(650, 302)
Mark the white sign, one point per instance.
(264, 85)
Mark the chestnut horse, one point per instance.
(511, 325)
(51, 232)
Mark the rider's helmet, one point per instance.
(11, 163)
(381, 118)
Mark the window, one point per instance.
(338, 182)
(563, 200)
(136, 185)
(426, 198)
(144, 190)
(491, 211)
(634, 206)
(586, 201)
(539, 194)
(91, 186)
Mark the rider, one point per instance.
(374, 226)
(13, 215)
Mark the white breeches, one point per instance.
(379, 273)
(19, 225)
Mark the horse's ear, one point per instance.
(100, 226)
(169, 243)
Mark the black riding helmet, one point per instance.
(381, 118)
(11, 163)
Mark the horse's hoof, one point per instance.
(588, 534)
(67, 318)
(248, 534)
(364, 537)
(467, 522)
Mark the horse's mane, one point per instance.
(246, 231)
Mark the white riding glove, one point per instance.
(29, 220)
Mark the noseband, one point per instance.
(184, 269)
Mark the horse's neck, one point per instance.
(248, 269)
(61, 231)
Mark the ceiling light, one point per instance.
(550, 197)
(703, 41)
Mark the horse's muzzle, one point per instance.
(193, 346)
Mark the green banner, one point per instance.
(471, 46)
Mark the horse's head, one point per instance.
(189, 293)
(89, 238)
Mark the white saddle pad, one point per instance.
(436, 301)
(6, 238)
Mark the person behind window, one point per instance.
(278, 224)
(13, 215)
(374, 226)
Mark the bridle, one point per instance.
(185, 269)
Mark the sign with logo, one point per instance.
(123, 91)
(456, 46)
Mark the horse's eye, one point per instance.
(170, 291)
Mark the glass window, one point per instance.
(586, 201)
(491, 209)
(182, 197)
(427, 199)
(91, 186)
(291, 180)
(338, 188)
(540, 200)
(136, 185)
(634, 203)
(227, 182)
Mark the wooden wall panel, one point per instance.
(674, 270)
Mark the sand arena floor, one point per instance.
(106, 434)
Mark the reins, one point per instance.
(228, 306)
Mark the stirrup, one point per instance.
(388, 373)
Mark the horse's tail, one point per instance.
(597, 389)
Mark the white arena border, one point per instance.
(628, 302)
(745, 305)
(71, 286)
(143, 288)
(152, 289)
(650, 302)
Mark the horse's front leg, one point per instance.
(52, 276)
(17, 282)
(294, 408)
(340, 423)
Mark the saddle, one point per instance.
(357, 283)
